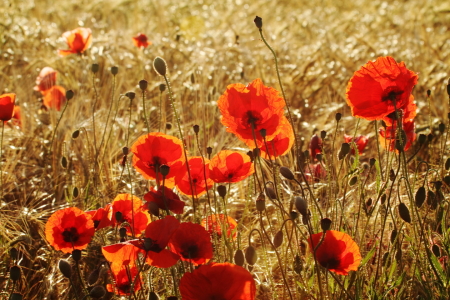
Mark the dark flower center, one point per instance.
(96, 223)
(190, 251)
(124, 287)
(151, 245)
(331, 263)
(250, 118)
(155, 163)
(70, 235)
(392, 93)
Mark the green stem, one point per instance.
(1, 156)
(145, 112)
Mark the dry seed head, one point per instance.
(160, 66)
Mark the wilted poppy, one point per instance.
(281, 144)
(218, 281)
(315, 146)
(78, 41)
(155, 149)
(69, 229)
(230, 166)
(141, 40)
(379, 87)
(55, 97)
(337, 252)
(7, 106)
(131, 211)
(124, 277)
(192, 243)
(46, 79)
(215, 224)
(101, 217)
(198, 171)
(389, 135)
(360, 141)
(315, 172)
(169, 200)
(254, 105)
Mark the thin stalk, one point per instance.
(145, 111)
(1, 156)
(109, 111)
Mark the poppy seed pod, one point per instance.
(258, 22)
(130, 95)
(209, 150)
(345, 149)
(118, 216)
(422, 139)
(69, 95)
(420, 197)
(160, 66)
(143, 84)
(441, 128)
(239, 257)
(325, 224)
(250, 255)
(65, 268)
(263, 132)
(76, 255)
(15, 296)
(168, 126)
(196, 129)
(75, 134)
(338, 117)
(14, 273)
(256, 152)
(164, 169)
(162, 87)
(287, 173)
(301, 205)
(122, 232)
(430, 137)
(323, 134)
(97, 292)
(125, 150)
(448, 87)
(372, 162)
(114, 70)
(404, 212)
(222, 190)
(278, 239)
(94, 68)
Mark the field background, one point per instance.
(207, 45)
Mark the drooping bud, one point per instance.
(270, 193)
(239, 257)
(447, 164)
(94, 68)
(97, 292)
(404, 212)
(393, 236)
(222, 190)
(293, 215)
(302, 205)
(114, 70)
(345, 149)
(420, 197)
(75, 134)
(258, 22)
(353, 180)
(65, 268)
(325, 224)
(160, 66)
(278, 239)
(261, 203)
(250, 255)
(93, 277)
(287, 173)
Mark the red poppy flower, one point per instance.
(155, 149)
(197, 172)
(153, 246)
(281, 144)
(141, 40)
(172, 200)
(218, 223)
(124, 277)
(338, 252)
(55, 97)
(46, 79)
(253, 105)
(101, 217)
(360, 141)
(230, 166)
(16, 116)
(132, 213)
(7, 106)
(374, 88)
(388, 136)
(69, 229)
(192, 243)
(408, 113)
(315, 146)
(218, 281)
(315, 172)
(78, 41)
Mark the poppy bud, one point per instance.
(168, 126)
(393, 236)
(263, 132)
(278, 239)
(123, 232)
(287, 173)
(76, 134)
(209, 150)
(256, 152)
(301, 205)
(293, 215)
(441, 127)
(239, 257)
(97, 292)
(369, 202)
(143, 84)
(391, 175)
(431, 200)
(258, 22)
(428, 93)
(338, 117)
(118, 216)
(436, 251)
(13, 253)
(250, 255)
(114, 70)
(164, 169)
(222, 190)
(261, 202)
(14, 273)
(372, 161)
(160, 66)
(196, 129)
(93, 277)
(323, 134)
(76, 255)
(319, 157)
(94, 68)
(345, 149)
(15, 296)
(297, 266)
(353, 180)
(153, 208)
(447, 180)
(447, 164)
(430, 137)
(325, 224)
(162, 87)
(65, 268)
(130, 95)
(422, 139)
(383, 198)
(386, 259)
(69, 95)
(270, 192)
(64, 162)
(125, 150)
(404, 212)
(398, 254)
